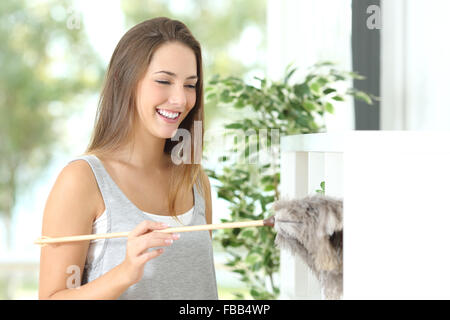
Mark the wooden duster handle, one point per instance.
(255, 223)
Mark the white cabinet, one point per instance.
(395, 187)
(306, 161)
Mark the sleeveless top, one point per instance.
(185, 270)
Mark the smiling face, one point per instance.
(167, 92)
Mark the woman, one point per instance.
(127, 180)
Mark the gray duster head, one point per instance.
(316, 236)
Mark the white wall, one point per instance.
(415, 65)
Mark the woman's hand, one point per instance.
(139, 240)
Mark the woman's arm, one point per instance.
(70, 210)
(109, 286)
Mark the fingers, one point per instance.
(145, 257)
(146, 226)
(140, 239)
(155, 239)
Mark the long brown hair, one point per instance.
(116, 111)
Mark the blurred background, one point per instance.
(53, 56)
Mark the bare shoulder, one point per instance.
(75, 193)
(78, 172)
(79, 176)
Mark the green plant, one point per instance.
(250, 189)
(322, 188)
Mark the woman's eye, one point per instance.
(167, 82)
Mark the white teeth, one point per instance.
(168, 114)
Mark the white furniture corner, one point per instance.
(396, 210)
(306, 161)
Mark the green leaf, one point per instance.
(240, 271)
(339, 77)
(338, 98)
(267, 179)
(225, 96)
(236, 244)
(329, 107)
(262, 81)
(246, 96)
(237, 88)
(289, 75)
(322, 81)
(309, 105)
(324, 64)
(231, 263)
(211, 96)
(322, 185)
(329, 90)
(239, 104)
(356, 76)
(309, 77)
(255, 294)
(257, 266)
(315, 88)
(239, 295)
(223, 158)
(252, 258)
(247, 233)
(215, 78)
(301, 89)
(363, 96)
(234, 126)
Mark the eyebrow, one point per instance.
(174, 75)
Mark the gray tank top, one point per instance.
(185, 270)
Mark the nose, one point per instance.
(177, 97)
